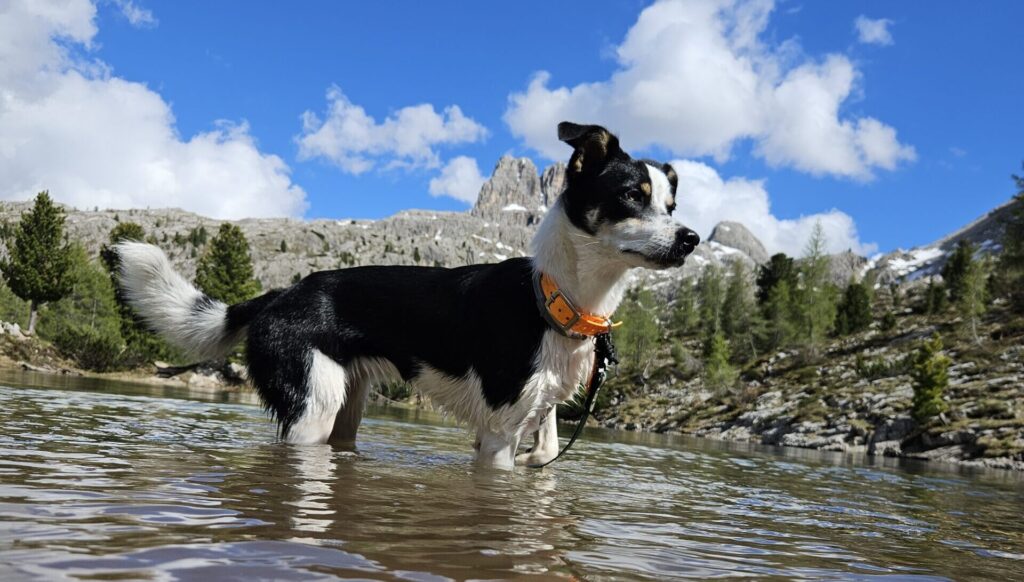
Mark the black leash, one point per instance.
(604, 358)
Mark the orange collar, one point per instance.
(562, 315)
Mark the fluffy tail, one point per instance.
(172, 307)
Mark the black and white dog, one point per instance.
(475, 339)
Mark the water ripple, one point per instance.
(125, 486)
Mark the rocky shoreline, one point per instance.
(855, 397)
(873, 423)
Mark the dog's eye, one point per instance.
(636, 196)
(671, 208)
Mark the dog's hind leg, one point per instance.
(325, 395)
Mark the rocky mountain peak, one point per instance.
(737, 236)
(516, 194)
(512, 194)
(552, 182)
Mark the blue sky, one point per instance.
(939, 82)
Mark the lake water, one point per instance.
(104, 481)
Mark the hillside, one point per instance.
(855, 397)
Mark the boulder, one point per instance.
(737, 236)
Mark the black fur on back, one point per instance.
(482, 317)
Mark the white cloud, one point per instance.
(873, 31)
(137, 16)
(95, 140)
(460, 179)
(704, 199)
(695, 77)
(408, 138)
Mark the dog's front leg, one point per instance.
(495, 450)
(545, 442)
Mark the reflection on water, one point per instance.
(124, 484)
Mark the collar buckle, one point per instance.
(561, 314)
(576, 315)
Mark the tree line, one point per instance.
(85, 317)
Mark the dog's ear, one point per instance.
(593, 145)
(673, 178)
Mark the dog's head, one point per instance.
(625, 205)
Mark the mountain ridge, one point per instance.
(499, 225)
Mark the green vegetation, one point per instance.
(973, 301)
(853, 314)
(815, 296)
(38, 268)
(931, 377)
(711, 294)
(954, 273)
(718, 373)
(1010, 282)
(741, 320)
(935, 298)
(639, 333)
(779, 269)
(684, 317)
(225, 271)
(84, 325)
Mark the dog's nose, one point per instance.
(687, 239)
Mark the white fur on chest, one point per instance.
(560, 365)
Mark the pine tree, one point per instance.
(955, 269)
(779, 315)
(779, 269)
(1011, 261)
(930, 374)
(711, 292)
(741, 320)
(38, 267)
(684, 315)
(815, 296)
(225, 270)
(636, 339)
(853, 313)
(84, 325)
(718, 373)
(974, 295)
(935, 298)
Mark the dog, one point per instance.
(496, 345)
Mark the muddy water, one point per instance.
(104, 481)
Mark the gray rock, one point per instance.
(737, 236)
(845, 267)
(513, 194)
(552, 182)
(13, 330)
(888, 436)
